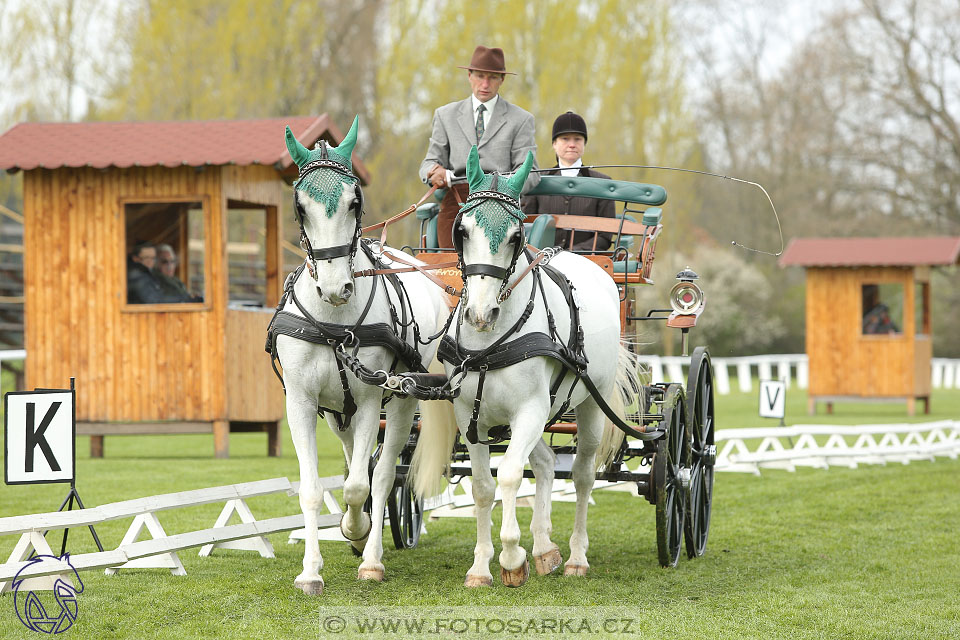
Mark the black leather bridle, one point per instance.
(337, 251)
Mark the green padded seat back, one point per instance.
(619, 190)
(626, 266)
(427, 211)
(542, 232)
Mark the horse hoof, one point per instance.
(367, 524)
(478, 581)
(548, 562)
(575, 570)
(515, 577)
(374, 574)
(310, 587)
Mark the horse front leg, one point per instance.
(484, 490)
(526, 430)
(546, 554)
(302, 418)
(590, 422)
(399, 422)
(355, 524)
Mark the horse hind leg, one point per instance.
(546, 554)
(589, 431)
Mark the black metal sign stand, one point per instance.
(73, 494)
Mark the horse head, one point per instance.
(328, 203)
(488, 236)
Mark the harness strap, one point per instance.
(402, 214)
(541, 256)
(424, 269)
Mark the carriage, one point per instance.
(672, 435)
(358, 306)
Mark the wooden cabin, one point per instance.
(210, 190)
(868, 333)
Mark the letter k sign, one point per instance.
(39, 436)
(34, 438)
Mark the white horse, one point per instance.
(329, 205)
(489, 235)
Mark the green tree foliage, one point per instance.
(612, 61)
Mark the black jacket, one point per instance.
(144, 288)
(577, 206)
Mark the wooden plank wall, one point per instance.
(842, 360)
(254, 394)
(130, 365)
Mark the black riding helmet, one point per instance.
(569, 122)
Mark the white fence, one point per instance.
(818, 445)
(791, 368)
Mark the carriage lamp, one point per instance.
(686, 297)
(686, 300)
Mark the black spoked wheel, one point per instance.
(703, 451)
(405, 510)
(670, 476)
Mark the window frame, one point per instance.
(206, 305)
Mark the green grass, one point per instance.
(865, 553)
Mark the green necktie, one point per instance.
(480, 111)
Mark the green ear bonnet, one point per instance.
(324, 184)
(496, 217)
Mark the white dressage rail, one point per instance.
(819, 445)
(161, 551)
(791, 368)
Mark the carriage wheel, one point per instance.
(405, 510)
(671, 467)
(703, 451)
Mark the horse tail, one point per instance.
(438, 430)
(627, 394)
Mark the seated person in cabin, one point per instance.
(142, 286)
(569, 140)
(166, 273)
(876, 315)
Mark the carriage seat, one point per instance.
(539, 230)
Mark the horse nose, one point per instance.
(347, 291)
(494, 314)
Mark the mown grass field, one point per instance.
(838, 553)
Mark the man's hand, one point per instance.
(437, 176)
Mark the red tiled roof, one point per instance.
(169, 144)
(857, 252)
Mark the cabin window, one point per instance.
(882, 308)
(165, 249)
(921, 308)
(246, 255)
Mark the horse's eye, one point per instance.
(515, 237)
(463, 232)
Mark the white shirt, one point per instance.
(490, 105)
(572, 170)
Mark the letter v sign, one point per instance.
(772, 398)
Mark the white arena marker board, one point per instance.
(39, 430)
(772, 398)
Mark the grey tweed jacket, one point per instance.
(503, 147)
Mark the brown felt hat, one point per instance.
(489, 60)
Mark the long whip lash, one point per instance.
(705, 173)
